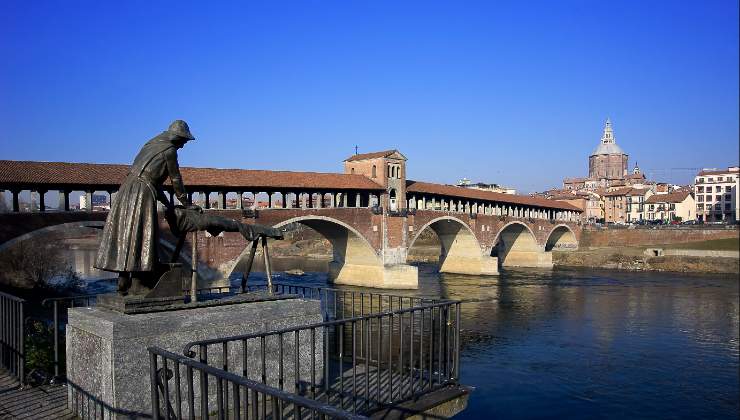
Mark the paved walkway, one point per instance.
(43, 402)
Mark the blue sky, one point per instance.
(508, 92)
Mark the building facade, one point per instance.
(387, 168)
(716, 193)
(635, 204)
(675, 206)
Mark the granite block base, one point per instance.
(108, 362)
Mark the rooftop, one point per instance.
(24, 174)
(452, 191)
(373, 155)
(674, 197)
(728, 171)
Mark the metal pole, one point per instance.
(21, 346)
(194, 275)
(250, 260)
(56, 340)
(268, 269)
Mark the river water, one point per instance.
(589, 344)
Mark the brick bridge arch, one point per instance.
(353, 256)
(460, 248)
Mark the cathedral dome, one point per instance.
(608, 145)
(607, 149)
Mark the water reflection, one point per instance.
(585, 344)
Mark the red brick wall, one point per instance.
(640, 237)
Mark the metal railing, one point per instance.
(12, 336)
(235, 396)
(60, 319)
(335, 303)
(361, 364)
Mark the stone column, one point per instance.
(16, 201)
(88, 197)
(63, 200)
(239, 203)
(358, 199)
(206, 199)
(320, 201)
(42, 203)
(221, 197)
(345, 199)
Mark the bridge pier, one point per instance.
(528, 259)
(398, 276)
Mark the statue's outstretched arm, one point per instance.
(183, 220)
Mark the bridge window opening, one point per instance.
(374, 172)
(352, 171)
(231, 200)
(6, 205)
(393, 200)
(74, 200)
(260, 200)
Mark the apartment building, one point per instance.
(716, 193)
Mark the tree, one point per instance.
(34, 263)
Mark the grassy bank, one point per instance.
(634, 258)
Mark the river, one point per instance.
(589, 344)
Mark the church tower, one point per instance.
(607, 161)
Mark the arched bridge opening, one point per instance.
(460, 251)
(516, 246)
(354, 260)
(561, 238)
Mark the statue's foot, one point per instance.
(124, 284)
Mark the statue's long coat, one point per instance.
(130, 237)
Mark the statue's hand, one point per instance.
(275, 234)
(194, 207)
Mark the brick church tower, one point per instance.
(607, 161)
(387, 168)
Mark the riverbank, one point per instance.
(718, 256)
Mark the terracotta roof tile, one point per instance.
(451, 191)
(674, 197)
(373, 155)
(617, 192)
(27, 173)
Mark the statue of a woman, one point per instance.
(130, 237)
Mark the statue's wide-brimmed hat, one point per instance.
(180, 128)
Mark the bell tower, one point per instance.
(387, 168)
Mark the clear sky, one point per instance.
(508, 92)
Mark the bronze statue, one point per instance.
(129, 245)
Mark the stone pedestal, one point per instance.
(108, 363)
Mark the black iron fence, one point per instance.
(12, 336)
(335, 304)
(361, 364)
(179, 390)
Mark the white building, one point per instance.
(466, 183)
(678, 205)
(716, 194)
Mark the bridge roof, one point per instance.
(28, 174)
(471, 193)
